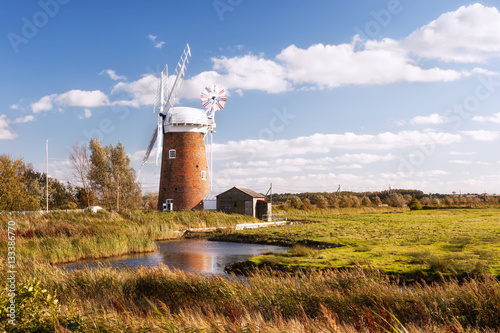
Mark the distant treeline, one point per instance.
(415, 199)
(102, 173)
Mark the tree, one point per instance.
(17, 191)
(99, 171)
(365, 201)
(307, 203)
(123, 186)
(346, 201)
(81, 169)
(320, 201)
(60, 196)
(333, 202)
(111, 177)
(415, 204)
(356, 202)
(295, 202)
(395, 200)
(376, 201)
(150, 199)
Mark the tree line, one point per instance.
(102, 173)
(415, 199)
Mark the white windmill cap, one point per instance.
(186, 119)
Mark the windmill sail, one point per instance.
(180, 71)
(164, 98)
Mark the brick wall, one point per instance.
(181, 177)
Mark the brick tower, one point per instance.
(184, 170)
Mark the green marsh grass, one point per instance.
(363, 260)
(161, 299)
(69, 236)
(403, 244)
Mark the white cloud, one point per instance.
(460, 161)
(157, 44)
(87, 113)
(468, 162)
(273, 166)
(14, 107)
(248, 72)
(482, 135)
(44, 104)
(88, 99)
(112, 74)
(24, 119)
(324, 143)
(495, 118)
(462, 153)
(138, 156)
(142, 91)
(433, 119)
(469, 34)
(6, 132)
(374, 62)
(357, 63)
(74, 98)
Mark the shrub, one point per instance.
(415, 204)
(295, 202)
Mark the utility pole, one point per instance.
(118, 196)
(270, 191)
(47, 172)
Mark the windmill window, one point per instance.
(204, 175)
(171, 153)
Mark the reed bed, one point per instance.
(160, 299)
(69, 236)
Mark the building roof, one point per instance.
(247, 191)
(210, 197)
(182, 115)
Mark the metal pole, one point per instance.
(211, 162)
(47, 172)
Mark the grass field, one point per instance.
(161, 300)
(405, 244)
(363, 248)
(62, 237)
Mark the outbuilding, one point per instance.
(245, 201)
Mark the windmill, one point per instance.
(180, 141)
(213, 98)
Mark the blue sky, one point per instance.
(362, 94)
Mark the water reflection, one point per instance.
(192, 255)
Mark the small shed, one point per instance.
(245, 201)
(210, 202)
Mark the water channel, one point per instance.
(192, 255)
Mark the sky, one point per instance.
(365, 94)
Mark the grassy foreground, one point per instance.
(405, 244)
(161, 300)
(358, 298)
(63, 237)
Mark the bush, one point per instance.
(295, 202)
(415, 204)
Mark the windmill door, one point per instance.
(248, 208)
